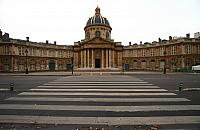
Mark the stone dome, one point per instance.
(97, 19)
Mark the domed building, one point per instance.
(97, 50)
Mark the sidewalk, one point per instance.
(89, 73)
(38, 74)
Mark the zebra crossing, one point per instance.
(116, 101)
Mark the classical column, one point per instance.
(92, 58)
(84, 58)
(88, 58)
(118, 59)
(106, 58)
(110, 56)
(113, 58)
(102, 58)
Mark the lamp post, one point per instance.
(72, 65)
(26, 61)
(164, 70)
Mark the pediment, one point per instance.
(98, 40)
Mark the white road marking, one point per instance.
(98, 99)
(92, 94)
(93, 84)
(102, 108)
(101, 120)
(96, 82)
(109, 90)
(4, 89)
(53, 86)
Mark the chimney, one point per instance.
(129, 43)
(54, 42)
(0, 34)
(27, 39)
(188, 35)
(47, 42)
(140, 42)
(6, 37)
(170, 38)
(159, 40)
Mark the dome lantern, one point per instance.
(97, 11)
(97, 19)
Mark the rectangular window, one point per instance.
(188, 49)
(42, 52)
(162, 51)
(59, 53)
(134, 53)
(69, 54)
(126, 53)
(6, 50)
(31, 51)
(173, 50)
(52, 53)
(153, 51)
(143, 52)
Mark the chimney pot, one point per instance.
(170, 38)
(188, 35)
(47, 42)
(27, 39)
(159, 40)
(0, 34)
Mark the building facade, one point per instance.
(18, 55)
(172, 54)
(98, 52)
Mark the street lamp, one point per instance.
(26, 61)
(72, 65)
(164, 70)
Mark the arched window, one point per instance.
(87, 35)
(98, 33)
(107, 35)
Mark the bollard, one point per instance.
(180, 86)
(11, 86)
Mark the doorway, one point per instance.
(97, 63)
(51, 65)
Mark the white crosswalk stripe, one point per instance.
(84, 96)
(94, 84)
(93, 94)
(106, 87)
(102, 108)
(61, 99)
(96, 90)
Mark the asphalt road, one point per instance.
(22, 83)
(170, 82)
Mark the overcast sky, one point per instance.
(131, 20)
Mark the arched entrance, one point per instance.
(51, 65)
(143, 64)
